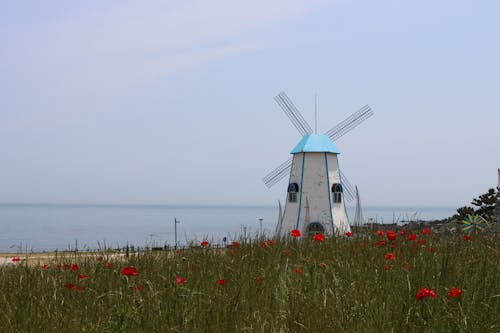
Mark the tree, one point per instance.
(487, 206)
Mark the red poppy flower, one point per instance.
(404, 232)
(426, 231)
(109, 265)
(270, 242)
(295, 233)
(45, 266)
(129, 271)
(319, 238)
(264, 245)
(298, 271)
(74, 267)
(466, 238)
(425, 292)
(77, 288)
(221, 282)
(386, 267)
(380, 233)
(69, 285)
(138, 288)
(455, 292)
(204, 243)
(380, 243)
(84, 276)
(233, 251)
(180, 280)
(16, 259)
(412, 237)
(390, 256)
(235, 244)
(323, 264)
(348, 234)
(391, 235)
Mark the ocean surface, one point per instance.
(44, 227)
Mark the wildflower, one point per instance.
(466, 238)
(380, 233)
(45, 266)
(270, 242)
(235, 244)
(455, 292)
(386, 267)
(180, 280)
(109, 265)
(84, 276)
(129, 271)
(233, 251)
(138, 288)
(412, 237)
(73, 287)
(390, 256)
(221, 282)
(77, 288)
(425, 292)
(264, 245)
(16, 259)
(298, 271)
(426, 231)
(323, 264)
(74, 267)
(204, 243)
(348, 234)
(380, 243)
(295, 233)
(391, 235)
(404, 232)
(319, 238)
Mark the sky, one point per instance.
(171, 102)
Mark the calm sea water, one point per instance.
(62, 227)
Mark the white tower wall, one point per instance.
(315, 173)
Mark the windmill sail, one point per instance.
(303, 127)
(293, 113)
(358, 217)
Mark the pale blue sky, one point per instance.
(167, 102)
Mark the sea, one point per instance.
(50, 227)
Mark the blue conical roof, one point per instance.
(315, 143)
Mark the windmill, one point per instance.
(317, 189)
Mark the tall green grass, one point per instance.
(340, 285)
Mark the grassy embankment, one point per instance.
(339, 285)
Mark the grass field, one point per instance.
(363, 283)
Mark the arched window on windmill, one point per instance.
(337, 192)
(293, 189)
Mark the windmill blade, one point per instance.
(349, 191)
(349, 123)
(293, 113)
(278, 174)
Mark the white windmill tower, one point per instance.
(317, 189)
